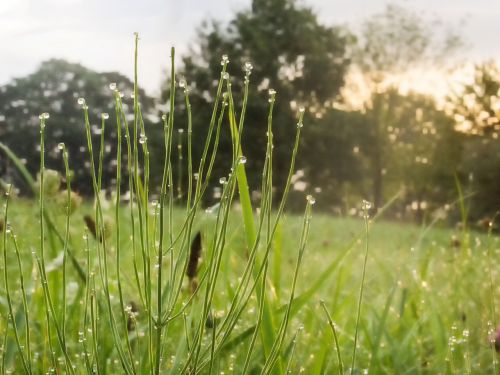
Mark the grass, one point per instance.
(164, 286)
(417, 290)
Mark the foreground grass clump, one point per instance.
(143, 289)
(160, 285)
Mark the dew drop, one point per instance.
(164, 117)
(365, 205)
(104, 116)
(311, 199)
(302, 110)
(248, 67)
(181, 131)
(272, 94)
(60, 146)
(81, 101)
(243, 160)
(224, 60)
(112, 86)
(142, 138)
(222, 180)
(182, 83)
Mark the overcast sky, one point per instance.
(99, 33)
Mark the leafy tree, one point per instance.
(332, 165)
(292, 53)
(475, 107)
(481, 167)
(416, 148)
(55, 88)
(392, 43)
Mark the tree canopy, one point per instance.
(55, 88)
(291, 52)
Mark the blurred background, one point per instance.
(401, 97)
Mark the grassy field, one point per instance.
(166, 286)
(427, 304)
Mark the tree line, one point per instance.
(391, 143)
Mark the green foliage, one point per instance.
(332, 169)
(55, 88)
(156, 248)
(292, 53)
(475, 109)
(475, 106)
(426, 304)
(409, 143)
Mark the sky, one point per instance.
(99, 33)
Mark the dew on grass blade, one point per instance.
(104, 116)
(142, 138)
(81, 101)
(60, 146)
(310, 199)
(224, 60)
(243, 160)
(272, 95)
(366, 205)
(248, 67)
(44, 116)
(112, 86)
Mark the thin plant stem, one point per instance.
(366, 207)
(335, 337)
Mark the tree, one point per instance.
(291, 52)
(391, 43)
(416, 148)
(475, 108)
(55, 88)
(333, 169)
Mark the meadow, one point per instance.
(427, 303)
(160, 283)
